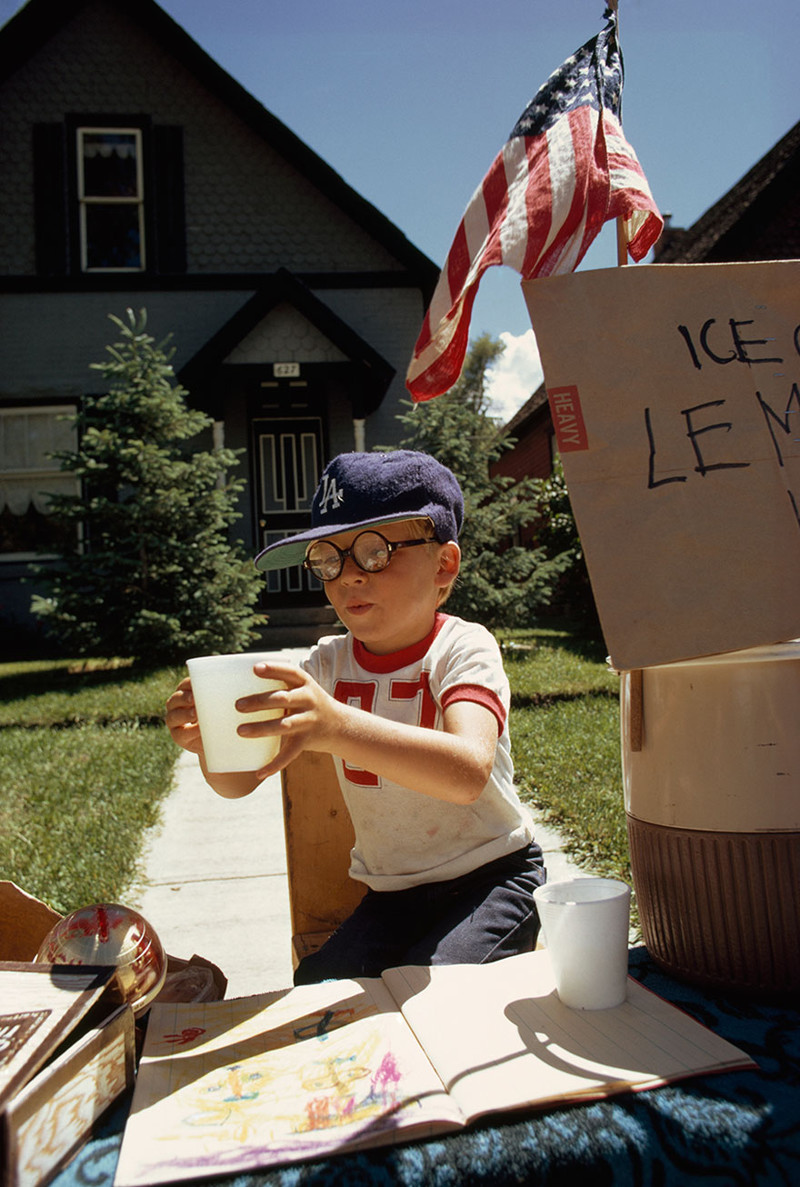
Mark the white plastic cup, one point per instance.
(218, 681)
(585, 924)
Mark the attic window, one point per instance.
(111, 199)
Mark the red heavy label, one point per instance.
(565, 407)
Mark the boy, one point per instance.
(412, 703)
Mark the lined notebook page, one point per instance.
(501, 1039)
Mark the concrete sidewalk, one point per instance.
(214, 880)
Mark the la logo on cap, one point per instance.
(330, 495)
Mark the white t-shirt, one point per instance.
(402, 837)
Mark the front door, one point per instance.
(288, 465)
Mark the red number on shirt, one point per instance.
(407, 690)
(362, 695)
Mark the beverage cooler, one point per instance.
(711, 774)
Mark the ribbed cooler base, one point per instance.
(720, 909)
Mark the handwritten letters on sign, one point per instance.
(675, 395)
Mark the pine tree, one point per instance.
(557, 534)
(501, 583)
(152, 574)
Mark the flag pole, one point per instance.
(622, 245)
(622, 242)
(636, 677)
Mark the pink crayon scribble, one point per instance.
(386, 1079)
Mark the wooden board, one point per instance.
(319, 837)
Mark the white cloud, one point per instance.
(515, 376)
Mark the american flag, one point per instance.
(565, 170)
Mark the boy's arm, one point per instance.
(452, 764)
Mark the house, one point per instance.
(532, 455)
(758, 219)
(135, 172)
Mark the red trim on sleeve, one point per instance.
(478, 695)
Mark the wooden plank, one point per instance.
(319, 837)
(636, 709)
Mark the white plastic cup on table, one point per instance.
(218, 682)
(585, 924)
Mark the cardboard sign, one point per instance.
(675, 395)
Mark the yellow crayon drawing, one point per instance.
(336, 1085)
(255, 1083)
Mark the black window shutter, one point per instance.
(50, 199)
(170, 216)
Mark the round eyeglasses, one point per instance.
(370, 551)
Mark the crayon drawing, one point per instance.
(298, 1101)
(253, 1025)
(330, 1089)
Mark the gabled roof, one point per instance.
(779, 168)
(34, 24)
(375, 373)
(528, 410)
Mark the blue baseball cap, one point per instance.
(360, 490)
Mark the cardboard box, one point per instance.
(24, 922)
(49, 1119)
(65, 1064)
(66, 1052)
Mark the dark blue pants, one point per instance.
(479, 917)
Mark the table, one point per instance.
(738, 1128)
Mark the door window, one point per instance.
(288, 467)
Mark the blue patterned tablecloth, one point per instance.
(734, 1128)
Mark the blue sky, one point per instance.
(410, 101)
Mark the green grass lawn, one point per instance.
(87, 762)
(566, 743)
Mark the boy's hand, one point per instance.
(181, 718)
(309, 720)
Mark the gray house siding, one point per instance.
(48, 340)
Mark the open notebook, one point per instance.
(225, 1087)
